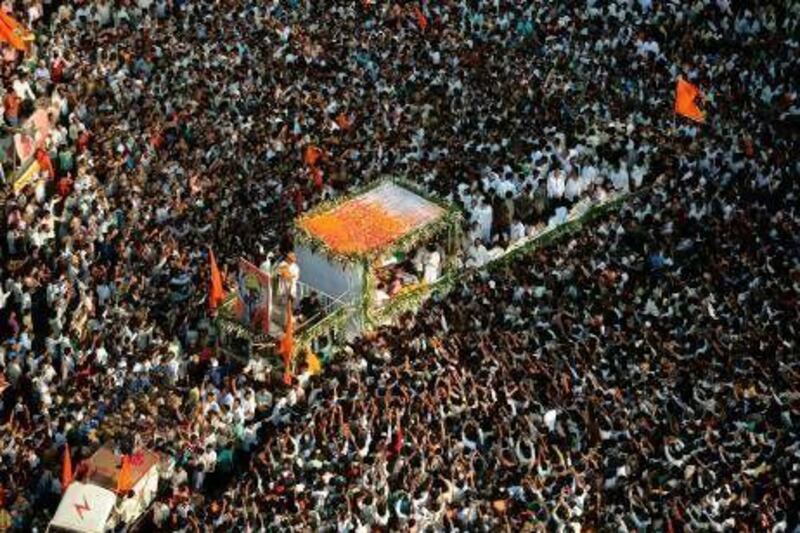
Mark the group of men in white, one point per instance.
(565, 176)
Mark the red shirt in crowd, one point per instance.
(64, 186)
(11, 103)
(57, 70)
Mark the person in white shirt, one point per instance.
(556, 185)
(127, 508)
(121, 15)
(209, 460)
(161, 513)
(506, 184)
(289, 273)
(419, 260)
(620, 178)
(573, 188)
(103, 13)
(477, 254)
(482, 214)
(637, 175)
(433, 260)
(3, 297)
(23, 89)
(103, 294)
(517, 231)
(589, 175)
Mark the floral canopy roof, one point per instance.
(371, 221)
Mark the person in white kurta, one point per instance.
(573, 189)
(477, 255)
(556, 183)
(128, 508)
(589, 176)
(432, 263)
(637, 175)
(288, 276)
(482, 214)
(620, 178)
(517, 231)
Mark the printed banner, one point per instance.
(39, 124)
(255, 297)
(28, 177)
(24, 145)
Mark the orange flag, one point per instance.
(66, 468)
(14, 33)
(343, 121)
(685, 95)
(312, 155)
(422, 20)
(125, 476)
(286, 346)
(216, 293)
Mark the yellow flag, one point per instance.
(314, 365)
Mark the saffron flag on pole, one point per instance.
(125, 476)
(14, 33)
(343, 121)
(685, 96)
(312, 155)
(66, 468)
(422, 20)
(216, 293)
(313, 363)
(286, 346)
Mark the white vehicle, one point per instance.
(85, 508)
(95, 505)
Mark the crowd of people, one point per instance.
(641, 374)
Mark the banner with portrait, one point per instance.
(254, 305)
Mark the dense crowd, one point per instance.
(641, 375)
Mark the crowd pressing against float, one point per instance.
(372, 265)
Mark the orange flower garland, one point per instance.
(358, 227)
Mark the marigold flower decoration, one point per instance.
(358, 228)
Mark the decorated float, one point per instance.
(362, 260)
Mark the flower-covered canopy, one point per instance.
(371, 221)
